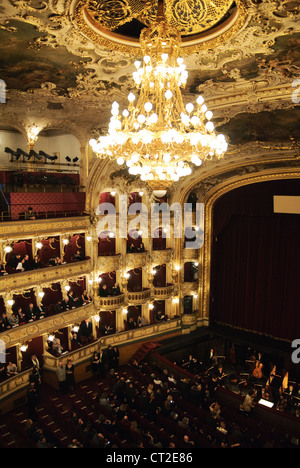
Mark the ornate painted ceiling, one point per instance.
(65, 61)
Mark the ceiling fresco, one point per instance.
(51, 59)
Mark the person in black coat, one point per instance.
(115, 357)
(32, 401)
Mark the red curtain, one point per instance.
(159, 240)
(76, 243)
(159, 279)
(255, 279)
(106, 244)
(135, 281)
(50, 249)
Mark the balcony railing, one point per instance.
(110, 303)
(51, 274)
(17, 229)
(164, 292)
(23, 333)
(138, 297)
(5, 216)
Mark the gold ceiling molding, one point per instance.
(99, 26)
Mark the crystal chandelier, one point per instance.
(157, 137)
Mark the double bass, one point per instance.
(257, 372)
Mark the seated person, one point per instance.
(30, 214)
(14, 319)
(103, 291)
(115, 291)
(14, 261)
(57, 347)
(85, 298)
(78, 256)
(30, 313)
(141, 322)
(22, 317)
(131, 248)
(66, 304)
(131, 323)
(74, 302)
(107, 329)
(36, 264)
(75, 341)
(141, 247)
(27, 264)
(160, 317)
(39, 312)
(4, 323)
(59, 307)
(11, 369)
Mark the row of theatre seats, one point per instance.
(58, 426)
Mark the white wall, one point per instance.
(63, 145)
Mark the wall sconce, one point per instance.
(39, 245)
(111, 235)
(51, 337)
(196, 264)
(7, 249)
(113, 193)
(32, 133)
(23, 348)
(75, 329)
(67, 288)
(10, 302)
(41, 294)
(98, 280)
(91, 281)
(151, 306)
(153, 271)
(124, 310)
(175, 300)
(127, 275)
(88, 238)
(97, 318)
(177, 267)
(141, 194)
(140, 233)
(65, 241)
(195, 296)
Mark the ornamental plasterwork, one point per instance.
(46, 276)
(22, 230)
(107, 72)
(47, 325)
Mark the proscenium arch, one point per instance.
(209, 199)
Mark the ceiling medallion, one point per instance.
(117, 24)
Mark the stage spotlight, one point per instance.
(48, 156)
(14, 154)
(24, 154)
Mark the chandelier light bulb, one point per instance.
(159, 137)
(148, 106)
